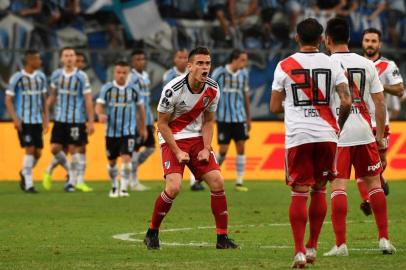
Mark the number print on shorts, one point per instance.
(131, 143)
(74, 133)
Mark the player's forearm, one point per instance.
(247, 106)
(89, 108)
(10, 108)
(45, 110)
(166, 133)
(207, 133)
(395, 90)
(345, 103)
(140, 118)
(380, 117)
(99, 109)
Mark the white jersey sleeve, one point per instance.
(278, 83)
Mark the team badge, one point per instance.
(27, 138)
(167, 164)
(205, 101)
(168, 93)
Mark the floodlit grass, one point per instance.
(55, 230)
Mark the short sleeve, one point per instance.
(54, 78)
(246, 87)
(103, 93)
(86, 84)
(11, 90)
(338, 73)
(44, 83)
(279, 77)
(393, 75)
(216, 74)
(213, 105)
(167, 101)
(376, 85)
(139, 99)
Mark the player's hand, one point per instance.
(17, 125)
(90, 128)
(203, 155)
(182, 157)
(382, 143)
(102, 118)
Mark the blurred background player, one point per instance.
(357, 145)
(311, 131)
(186, 116)
(26, 104)
(233, 113)
(71, 94)
(80, 64)
(179, 69)
(392, 82)
(120, 105)
(140, 78)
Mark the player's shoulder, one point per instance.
(219, 69)
(81, 74)
(40, 74)
(107, 85)
(212, 83)
(57, 73)
(16, 76)
(176, 84)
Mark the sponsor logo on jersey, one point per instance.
(374, 167)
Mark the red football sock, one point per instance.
(363, 191)
(162, 206)
(317, 214)
(298, 219)
(219, 210)
(339, 215)
(377, 200)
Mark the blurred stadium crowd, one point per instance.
(106, 30)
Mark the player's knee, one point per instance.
(300, 188)
(173, 190)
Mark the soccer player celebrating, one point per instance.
(71, 94)
(233, 113)
(308, 82)
(186, 116)
(392, 81)
(140, 78)
(180, 69)
(121, 106)
(25, 102)
(357, 146)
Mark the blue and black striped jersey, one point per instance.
(143, 83)
(120, 105)
(233, 86)
(171, 74)
(70, 91)
(28, 91)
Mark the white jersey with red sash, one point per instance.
(187, 108)
(309, 81)
(363, 80)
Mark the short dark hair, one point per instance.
(235, 54)
(137, 51)
(65, 49)
(121, 63)
(80, 54)
(309, 31)
(30, 52)
(372, 31)
(338, 30)
(198, 50)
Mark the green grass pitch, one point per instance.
(55, 230)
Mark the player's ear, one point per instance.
(297, 38)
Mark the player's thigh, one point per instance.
(197, 167)
(78, 134)
(214, 180)
(240, 132)
(127, 144)
(170, 163)
(299, 165)
(224, 133)
(344, 160)
(367, 161)
(112, 148)
(324, 165)
(60, 134)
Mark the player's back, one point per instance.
(363, 81)
(309, 80)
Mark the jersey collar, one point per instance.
(231, 72)
(120, 86)
(25, 73)
(69, 74)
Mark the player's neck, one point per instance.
(29, 69)
(309, 49)
(68, 69)
(139, 70)
(180, 70)
(341, 48)
(194, 85)
(373, 58)
(232, 68)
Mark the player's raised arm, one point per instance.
(345, 103)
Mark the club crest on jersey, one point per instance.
(206, 101)
(395, 73)
(167, 164)
(168, 93)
